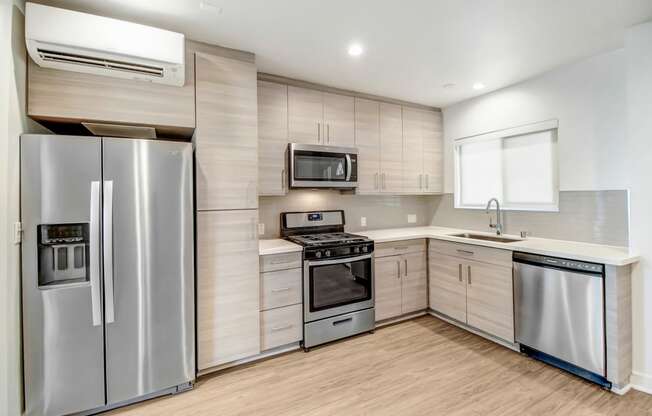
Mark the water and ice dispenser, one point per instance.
(63, 253)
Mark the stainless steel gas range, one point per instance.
(338, 276)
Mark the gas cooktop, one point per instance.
(319, 239)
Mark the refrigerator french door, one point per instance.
(108, 274)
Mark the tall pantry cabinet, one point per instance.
(226, 170)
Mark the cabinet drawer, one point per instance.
(283, 261)
(280, 288)
(281, 326)
(469, 251)
(393, 248)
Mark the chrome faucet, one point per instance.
(499, 224)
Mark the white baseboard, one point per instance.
(642, 382)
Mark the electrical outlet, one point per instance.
(412, 218)
(261, 228)
(363, 221)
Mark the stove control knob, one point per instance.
(365, 249)
(318, 254)
(327, 253)
(356, 249)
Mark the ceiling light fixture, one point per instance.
(478, 86)
(355, 49)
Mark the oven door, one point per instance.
(313, 166)
(334, 287)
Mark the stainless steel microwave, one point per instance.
(315, 166)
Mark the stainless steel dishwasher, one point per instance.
(559, 313)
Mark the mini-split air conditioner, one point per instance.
(73, 41)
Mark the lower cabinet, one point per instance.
(400, 279)
(281, 300)
(477, 293)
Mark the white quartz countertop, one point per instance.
(613, 255)
(597, 253)
(277, 246)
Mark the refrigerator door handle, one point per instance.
(96, 306)
(107, 235)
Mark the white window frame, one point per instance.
(548, 125)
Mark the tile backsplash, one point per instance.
(599, 217)
(378, 211)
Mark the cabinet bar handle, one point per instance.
(328, 133)
(376, 180)
(405, 260)
(468, 274)
(383, 180)
(420, 181)
(470, 253)
(427, 181)
(460, 272)
(281, 289)
(318, 132)
(282, 327)
(398, 269)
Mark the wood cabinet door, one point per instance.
(228, 294)
(433, 149)
(226, 137)
(413, 181)
(447, 289)
(272, 138)
(490, 301)
(305, 116)
(414, 282)
(387, 278)
(339, 119)
(367, 140)
(391, 148)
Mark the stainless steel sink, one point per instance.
(485, 237)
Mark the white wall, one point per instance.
(12, 123)
(638, 47)
(588, 99)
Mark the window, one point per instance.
(518, 166)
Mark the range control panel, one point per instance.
(353, 250)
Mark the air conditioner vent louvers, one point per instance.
(91, 61)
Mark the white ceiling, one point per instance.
(412, 47)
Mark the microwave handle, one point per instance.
(348, 167)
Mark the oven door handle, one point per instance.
(337, 261)
(348, 167)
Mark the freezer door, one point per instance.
(561, 313)
(63, 343)
(148, 267)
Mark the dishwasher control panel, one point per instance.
(559, 262)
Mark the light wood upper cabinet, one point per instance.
(228, 294)
(317, 117)
(412, 151)
(387, 278)
(367, 140)
(339, 120)
(71, 97)
(414, 282)
(490, 299)
(305, 115)
(391, 148)
(433, 150)
(272, 138)
(447, 292)
(226, 137)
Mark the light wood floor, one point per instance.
(420, 367)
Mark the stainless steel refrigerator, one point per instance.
(107, 271)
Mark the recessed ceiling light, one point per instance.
(355, 49)
(478, 86)
(449, 85)
(210, 5)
